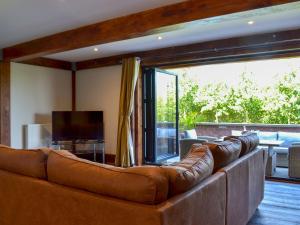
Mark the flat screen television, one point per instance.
(77, 125)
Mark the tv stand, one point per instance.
(84, 149)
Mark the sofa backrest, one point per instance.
(186, 144)
(146, 184)
(25, 162)
(224, 152)
(267, 135)
(249, 141)
(197, 165)
(289, 138)
(50, 203)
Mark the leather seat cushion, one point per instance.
(224, 152)
(25, 162)
(195, 167)
(249, 142)
(145, 184)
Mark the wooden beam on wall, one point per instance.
(5, 103)
(73, 90)
(135, 25)
(51, 63)
(270, 45)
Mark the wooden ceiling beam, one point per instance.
(132, 26)
(51, 63)
(102, 62)
(263, 44)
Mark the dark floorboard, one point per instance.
(281, 205)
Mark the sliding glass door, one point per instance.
(160, 115)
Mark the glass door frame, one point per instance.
(149, 114)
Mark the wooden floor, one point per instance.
(281, 205)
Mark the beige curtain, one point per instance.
(130, 72)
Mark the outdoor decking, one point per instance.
(281, 205)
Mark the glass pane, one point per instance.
(166, 114)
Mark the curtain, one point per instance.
(130, 72)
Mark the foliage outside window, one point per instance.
(277, 102)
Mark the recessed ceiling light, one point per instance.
(250, 22)
(160, 38)
(96, 49)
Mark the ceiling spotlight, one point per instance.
(96, 49)
(160, 38)
(250, 22)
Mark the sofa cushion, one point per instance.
(249, 142)
(146, 184)
(195, 167)
(224, 152)
(289, 138)
(267, 135)
(253, 139)
(186, 144)
(25, 162)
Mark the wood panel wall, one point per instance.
(5, 103)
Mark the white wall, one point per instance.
(35, 92)
(99, 89)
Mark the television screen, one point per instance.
(77, 125)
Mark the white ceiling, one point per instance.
(24, 20)
(270, 19)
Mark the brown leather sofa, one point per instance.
(54, 188)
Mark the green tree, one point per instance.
(165, 106)
(249, 100)
(189, 106)
(246, 103)
(214, 99)
(283, 104)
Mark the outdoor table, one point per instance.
(270, 144)
(271, 163)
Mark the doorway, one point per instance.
(161, 116)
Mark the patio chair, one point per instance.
(191, 134)
(294, 160)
